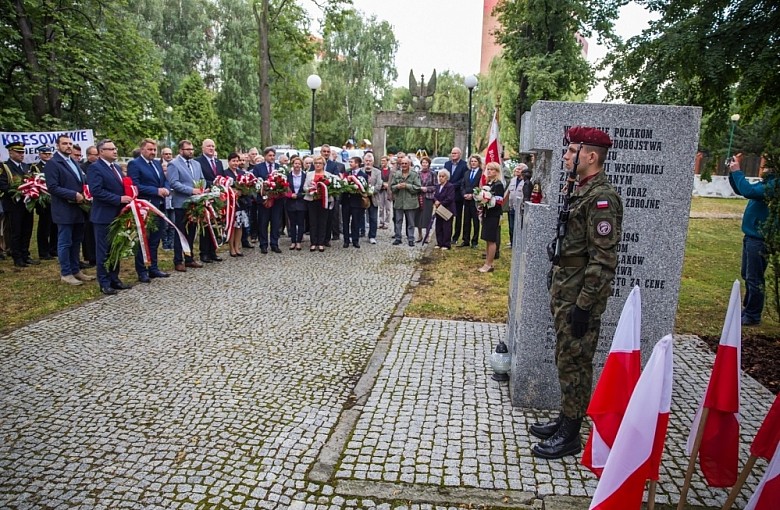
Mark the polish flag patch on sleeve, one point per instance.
(602, 204)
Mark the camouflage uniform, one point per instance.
(584, 277)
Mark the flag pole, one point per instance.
(740, 482)
(651, 495)
(705, 412)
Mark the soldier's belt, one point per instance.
(573, 262)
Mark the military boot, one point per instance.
(545, 430)
(565, 441)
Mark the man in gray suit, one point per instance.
(183, 172)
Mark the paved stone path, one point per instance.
(230, 387)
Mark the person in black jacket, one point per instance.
(19, 218)
(457, 168)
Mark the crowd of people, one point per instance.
(401, 197)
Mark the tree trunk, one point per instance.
(263, 71)
(30, 55)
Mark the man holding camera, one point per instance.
(754, 255)
(581, 283)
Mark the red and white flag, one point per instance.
(767, 493)
(493, 153)
(719, 450)
(768, 436)
(636, 452)
(613, 391)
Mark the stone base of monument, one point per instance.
(650, 166)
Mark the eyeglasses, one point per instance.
(108, 149)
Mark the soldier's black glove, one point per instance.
(578, 318)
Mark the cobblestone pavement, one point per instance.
(435, 417)
(222, 388)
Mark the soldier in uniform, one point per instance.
(581, 284)
(19, 218)
(47, 229)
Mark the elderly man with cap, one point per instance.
(47, 229)
(66, 181)
(19, 218)
(581, 282)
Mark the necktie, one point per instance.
(213, 167)
(189, 166)
(73, 169)
(154, 169)
(473, 173)
(116, 171)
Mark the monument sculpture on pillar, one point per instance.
(422, 92)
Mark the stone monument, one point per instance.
(651, 167)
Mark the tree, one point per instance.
(65, 65)
(538, 37)
(357, 70)
(194, 115)
(717, 54)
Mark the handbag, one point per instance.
(443, 213)
(365, 201)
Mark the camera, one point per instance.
(729, 160)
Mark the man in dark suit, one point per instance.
(108, 199)
(268, 215)
(471, 180)
(65, 182)
(334, 219)
(457, 169)
(147, 174)
(352, 209)
(211, 167)
(19, 218)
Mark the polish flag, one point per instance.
(719, 451)
(617, 381)
(768, 436)
(768, 491)
(493, 153)
(636, 452)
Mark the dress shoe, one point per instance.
(396, 242)
(84, 277)
(194, 263)
(108, 291)
(71, 280)
(411, 243)
(463, 245)
(158, 274)
(233, 255)
(120, 285)
(356, 245)
(180, 268)
(335, 238)
(248, 246)
(83, 265)
(545, 430)
(206, 260)
(216, 259)
(49, 257)
(239, 254)
(327, 245)
(144, 278)
(264, 250)
(565, 441)
(32, 262)
(20, 263)
(346, 245)
(313, 248)
(276, 249)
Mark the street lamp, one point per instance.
(314, 82)
(168, 112)
(470, 82)
(734, 120)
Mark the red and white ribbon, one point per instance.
(33, 187)
(356, 181)
(231, 199)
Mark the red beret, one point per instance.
(589, 136)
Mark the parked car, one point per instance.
(438, 163)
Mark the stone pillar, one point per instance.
(650, 167)
(379, 143)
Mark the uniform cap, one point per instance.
(44, 149)
(588, 136)
(15, 146)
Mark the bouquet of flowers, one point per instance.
(246, 184)
(274, 187)
(355, 185)
(485, 199)
(130, 229)
(32, 191)
(205, 210)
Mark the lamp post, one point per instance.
(470, 82)
(734, 120)
(168, 112)
(314, 82)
